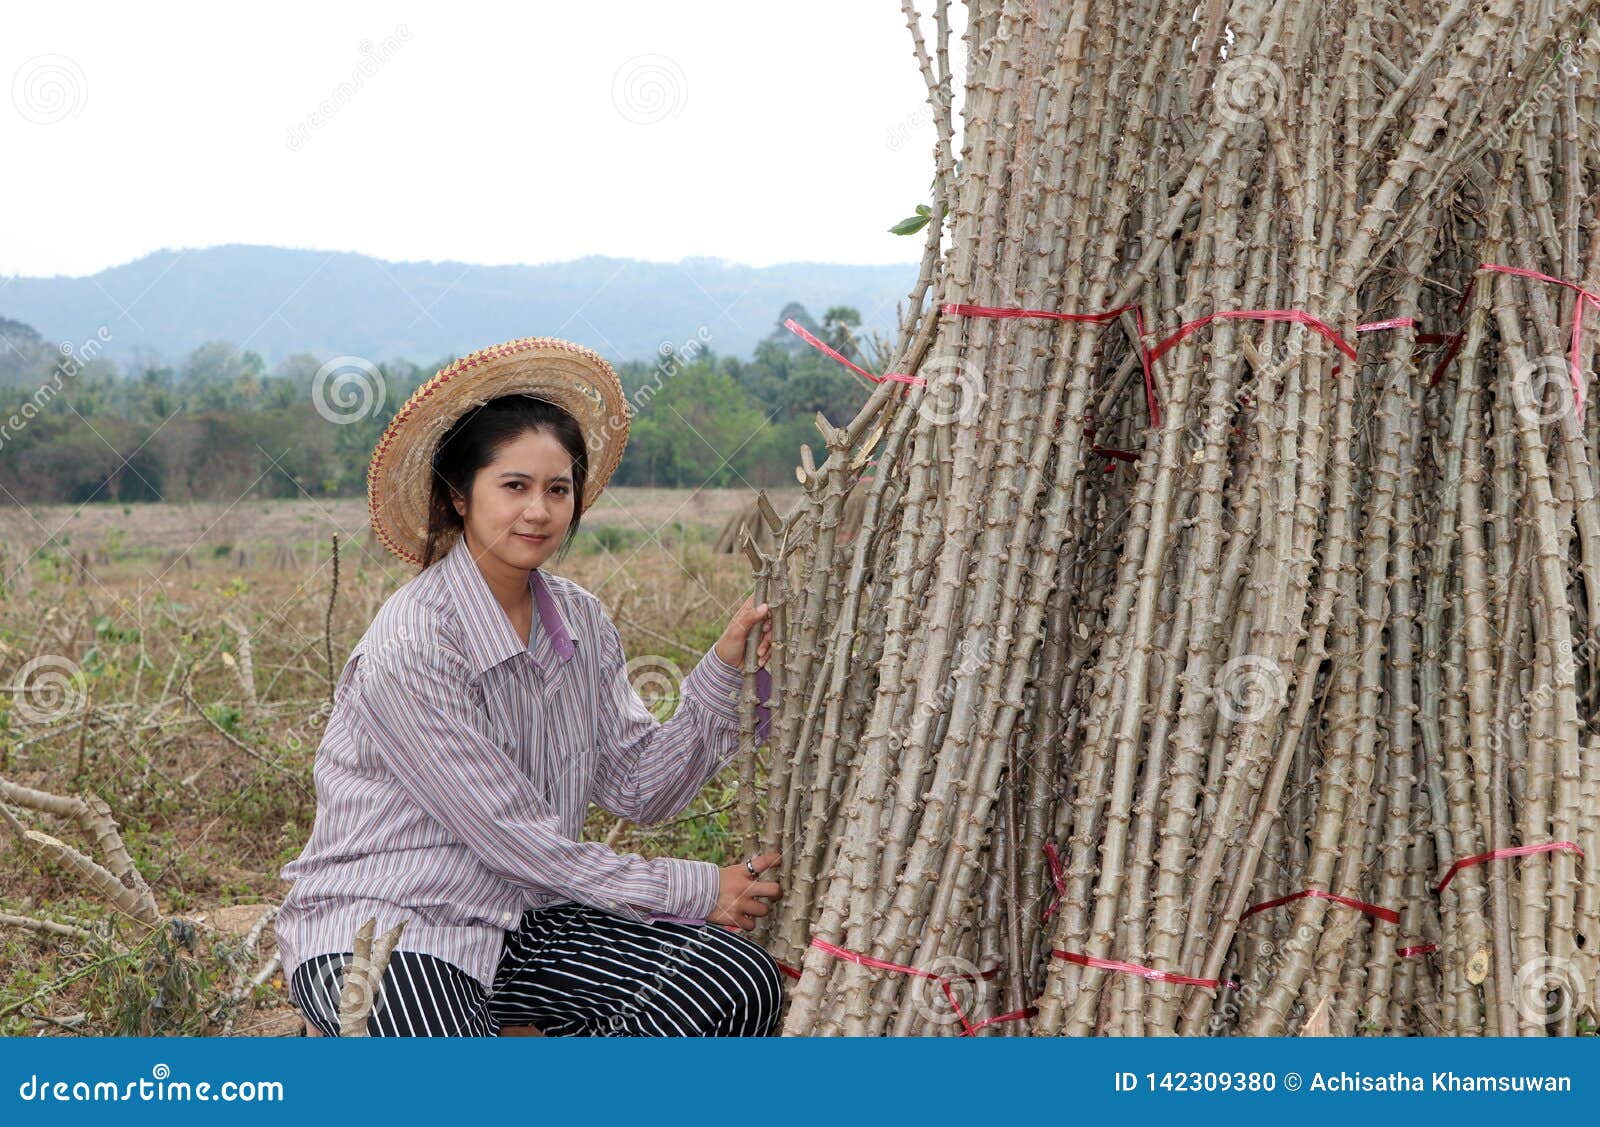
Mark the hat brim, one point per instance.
(577, 379)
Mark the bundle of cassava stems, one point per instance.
(1219, 652)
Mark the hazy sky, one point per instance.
(478, 132)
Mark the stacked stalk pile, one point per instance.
(1300, 621)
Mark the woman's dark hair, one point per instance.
(472, 442)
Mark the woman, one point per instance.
(485, 707)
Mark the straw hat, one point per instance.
(400, 477)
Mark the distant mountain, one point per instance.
(278, 302)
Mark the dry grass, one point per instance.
(147, 706)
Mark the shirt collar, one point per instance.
(488, 636)
(555, 624)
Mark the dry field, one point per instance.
(176, 662)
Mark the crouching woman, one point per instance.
(482, 711)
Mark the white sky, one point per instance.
(492, 133)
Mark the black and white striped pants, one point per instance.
(569, 970)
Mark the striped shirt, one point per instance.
(458, 764)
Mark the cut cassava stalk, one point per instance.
(1230, 581)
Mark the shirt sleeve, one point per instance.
(648, 770)
(417, 703)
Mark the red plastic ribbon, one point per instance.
(1391, 323)
(1298, 316)
(1148, 356)
(1107, 451)
(1317, 894)
(1396, 323)
(943, 980)
(1133, 968)
(1146, 359)
(1405, 323)
(1514, 851)
(860, 371)
(1575, 361)
(1460, 334)
(1014, 1015)
(1056, 877)
(1419, 949)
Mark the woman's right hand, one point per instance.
(742, 899)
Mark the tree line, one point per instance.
(219, 426)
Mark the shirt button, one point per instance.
(510, 918)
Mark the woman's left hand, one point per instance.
(730, 647)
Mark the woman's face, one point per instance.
(525, 489)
